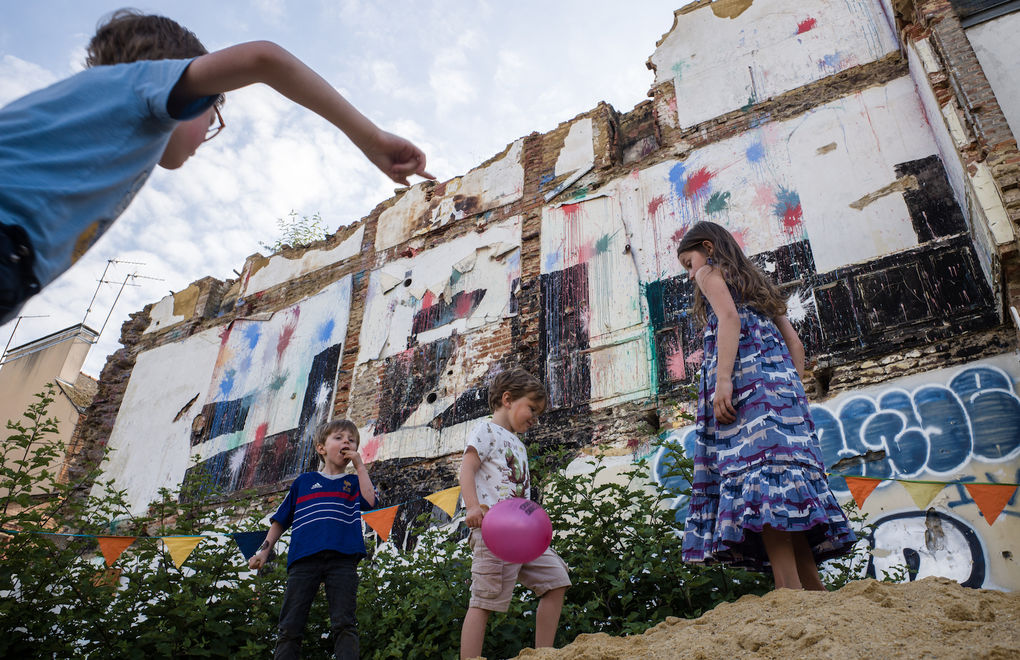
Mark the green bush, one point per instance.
(619, 538)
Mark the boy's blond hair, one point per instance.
(329, 428)
(518, 383)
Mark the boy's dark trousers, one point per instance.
(339, 572)
(17, 283)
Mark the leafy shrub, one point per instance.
(57, 599)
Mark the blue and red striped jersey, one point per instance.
(324, 513)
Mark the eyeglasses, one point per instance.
(215, 127)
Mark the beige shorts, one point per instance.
(493, 580)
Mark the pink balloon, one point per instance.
(517, 530)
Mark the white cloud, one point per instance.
(18, 77)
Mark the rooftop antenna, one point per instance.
(3, 356)
(120, 291)
(103, 280)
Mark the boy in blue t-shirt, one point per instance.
(73, 155)
(323, 511)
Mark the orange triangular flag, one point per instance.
(990, 498)
(922, 493)
(113, 546)
(446, 499)
(180, 547)
(860, 488)
(381, 520)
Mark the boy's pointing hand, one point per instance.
(397, 158)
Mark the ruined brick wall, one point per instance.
(828, 147)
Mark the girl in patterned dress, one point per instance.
(760, 495)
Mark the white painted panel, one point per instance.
(788, 181)
(620, 371)
(719, 64)
(280, 269)
(494, 259)
(578, 150)
(149, 450)
(499, 183)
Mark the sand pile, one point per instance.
(930, 618)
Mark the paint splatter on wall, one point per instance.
(770, 48)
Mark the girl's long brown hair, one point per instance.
(746, 280)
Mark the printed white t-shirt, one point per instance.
(504, 470)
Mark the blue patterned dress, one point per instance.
(766, 467)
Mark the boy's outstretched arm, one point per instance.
(265, 62)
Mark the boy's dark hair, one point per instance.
(128, 35)
(518, 383)
(329, 428)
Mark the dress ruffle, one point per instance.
(785, 496)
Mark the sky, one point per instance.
(460, 78)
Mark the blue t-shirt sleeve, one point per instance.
(155, 85)
(285, 514)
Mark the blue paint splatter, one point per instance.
(552, 262)
(832, 61)
(677, 179)
(252, 333)
(755, 152)
(227, 383)
(545, 180)
(326, 331)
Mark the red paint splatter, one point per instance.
(675, 366)
(286, 335)
(371, 448)
(571, 212)
(793, 219)
(463, 308)
(696, 358)
(679, 234)
(738, 236)
(428, 300)
(805, 25)
(585, 252)
(653, 206)
(697, 182)
(260, 433)
(225, 333)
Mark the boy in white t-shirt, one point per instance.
(495, 468)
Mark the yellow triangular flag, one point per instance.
(922, 493)
(381, 520)
(990, 498)
(860, 488)
(446, 499)
(180, 547)
(113, 546)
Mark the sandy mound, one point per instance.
(930, 618)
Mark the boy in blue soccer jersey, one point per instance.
(326, 543)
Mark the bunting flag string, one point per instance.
(990, 497)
